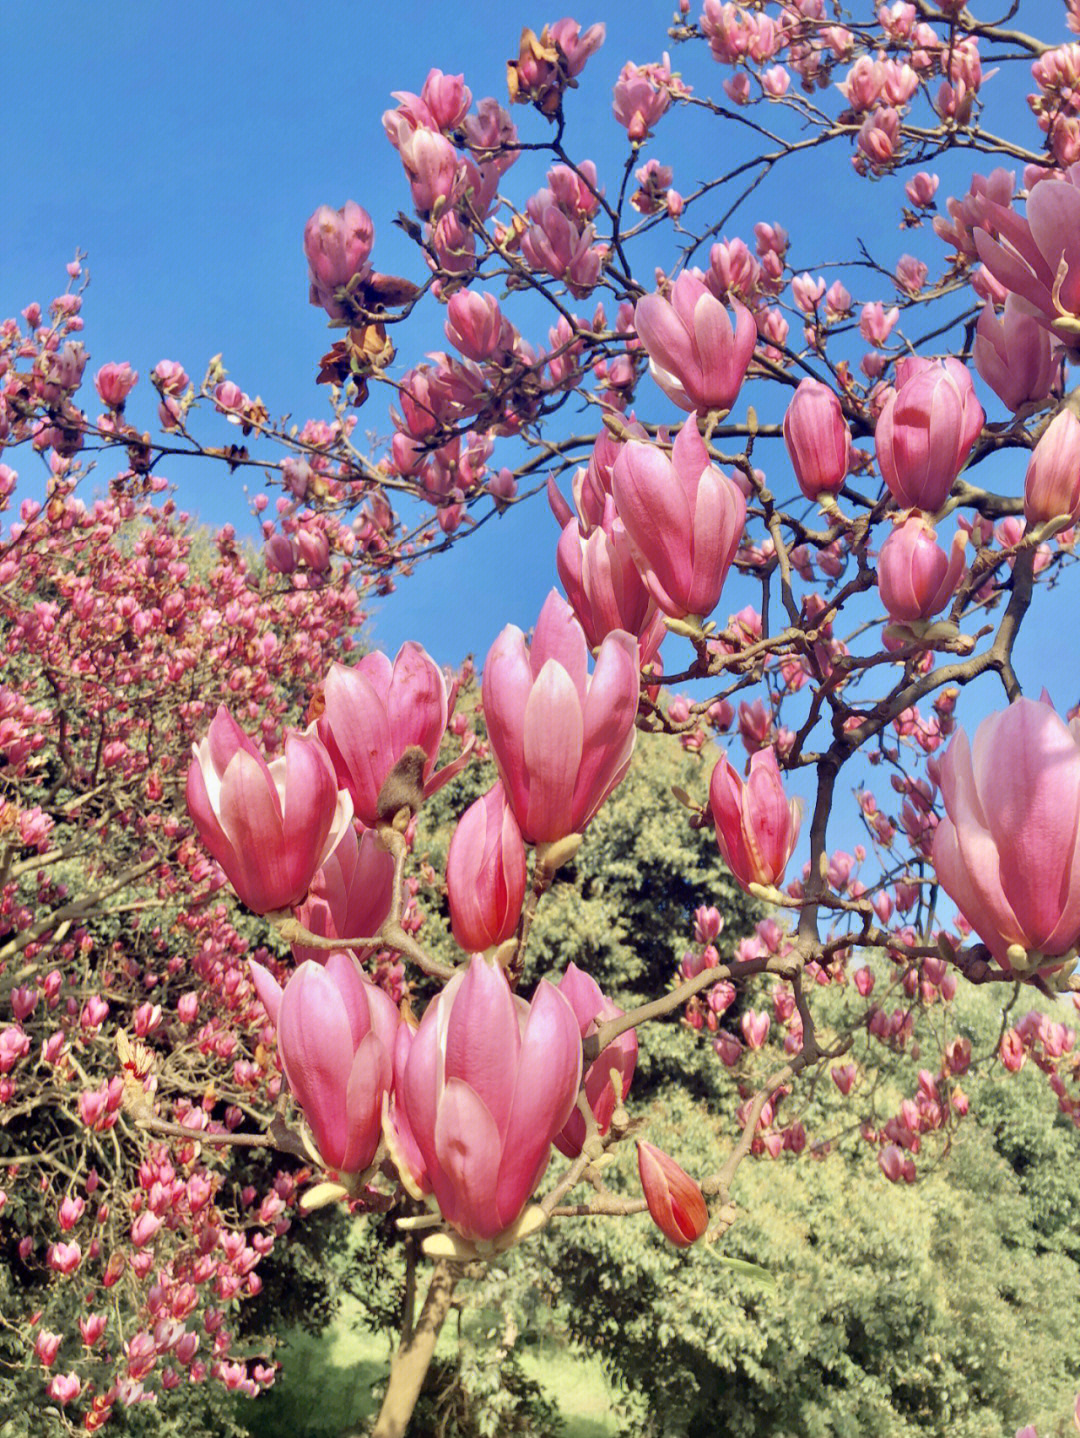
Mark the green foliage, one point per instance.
(946, 1308)
(483, 1393)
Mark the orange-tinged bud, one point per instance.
(675, 1201)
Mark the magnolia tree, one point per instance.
(753, 422)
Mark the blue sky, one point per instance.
(184, 150)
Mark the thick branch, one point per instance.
(410, 1363)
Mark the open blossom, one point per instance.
(550, 61)
(696, 355)
(757, 826)
(1037, 257)
(565, 250)
(562, 739)
(642, 95)
(336, 1036)
(1007, 850)
(269, 826)
(373, 712)
(685, 519)
(488, 1082)
(926, 429)
(351, 894)
(337, 244)
(916, 578)
(1013, 355)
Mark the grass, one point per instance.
(324, 1388)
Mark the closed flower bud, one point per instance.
(337, 244)
(485, 873)
(1052, 482)
(336, 1036)
(676, 1203)
(926, 430)
(562, 739)
(916, 578)
(817, 438)
(486, 1083)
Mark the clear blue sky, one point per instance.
(184, 150)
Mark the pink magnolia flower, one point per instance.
(562, 740)
(374, 711)
(925, 431)
(1037, 257)
(676, 1203)
(921, 189)
(47, 1347)
(642, 95)
(337, 244)
(565, 250)
(818, 439)
(485, 873)
(576, 44)
(685, 520)
(114, 382)
(351, 894)
(1052, 482)
(916, 578)
(269, 826)
(755, 1028)
(430, 160)
(875, 322)
(474, 324)
(620, 1056)
(1007, 850)
(447, 98)
(603, 584)
(696, 356)
(336, 1036)
(757, 826)
(488, 1083)
(1013, 355)
(64, 1257)
(64, 1387)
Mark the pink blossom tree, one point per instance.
(755, 426)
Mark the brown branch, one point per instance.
(410, 1363)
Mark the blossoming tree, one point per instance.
(749, 422)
